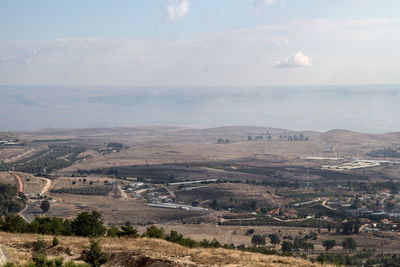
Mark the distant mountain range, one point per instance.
(371, 109)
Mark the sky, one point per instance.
(199, 42)
(295, 64)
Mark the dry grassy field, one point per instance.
(127, 252)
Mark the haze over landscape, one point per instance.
(371, 109)
(161, 133)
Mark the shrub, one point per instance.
(113, 231)
(154, 232)
(38, 252)
(128, 231)
(250, 232)
(55, 241)
(94, 255)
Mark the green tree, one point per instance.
(274, 239)
(258, 240)
(14, 223)
(55, 241)
(174, 237)
(348, 228)
(250, 232)
(128, 231)
(67, 228)
(113, 231)
(154, 232)
(94, 255)
(10, 200)
(349, 244)
(287, 247)
(88, 224)
(329, 244)
(39, 252)
(45, 206)
(307, 246)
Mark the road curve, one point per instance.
(326, 206)
(46, 187)
(30, 205)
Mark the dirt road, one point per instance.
(46, 187)
(19, 183)
(30, 205)
(172, 194)
(326, 206)
(123, 194)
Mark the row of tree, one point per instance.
(91, 191)
(45, 161)
(10, 199)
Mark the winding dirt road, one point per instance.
(326, 206)
(26, 212)
(20, 184)
(46, 187)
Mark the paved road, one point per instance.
(26, 213)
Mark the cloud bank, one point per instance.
(249, 57)
(267, 2)
(178, 10)
(299, 59)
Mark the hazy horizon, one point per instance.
(371, 109)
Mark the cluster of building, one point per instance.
(9, 142)
(283, 213)
(366, 204)
(384, 225)
(135, 189)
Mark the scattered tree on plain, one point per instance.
(329, 244)
(258, 240)
(45, 206)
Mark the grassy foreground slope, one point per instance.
(142, 252)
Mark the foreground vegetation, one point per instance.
(91, 225)
(10, 199)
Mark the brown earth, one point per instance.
(142, 252)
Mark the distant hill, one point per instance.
(246, 130)
(346, 136)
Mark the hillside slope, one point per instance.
(143, 252)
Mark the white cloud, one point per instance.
(299, 59)
(345, 52)
(268, 2)
(178, 10)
